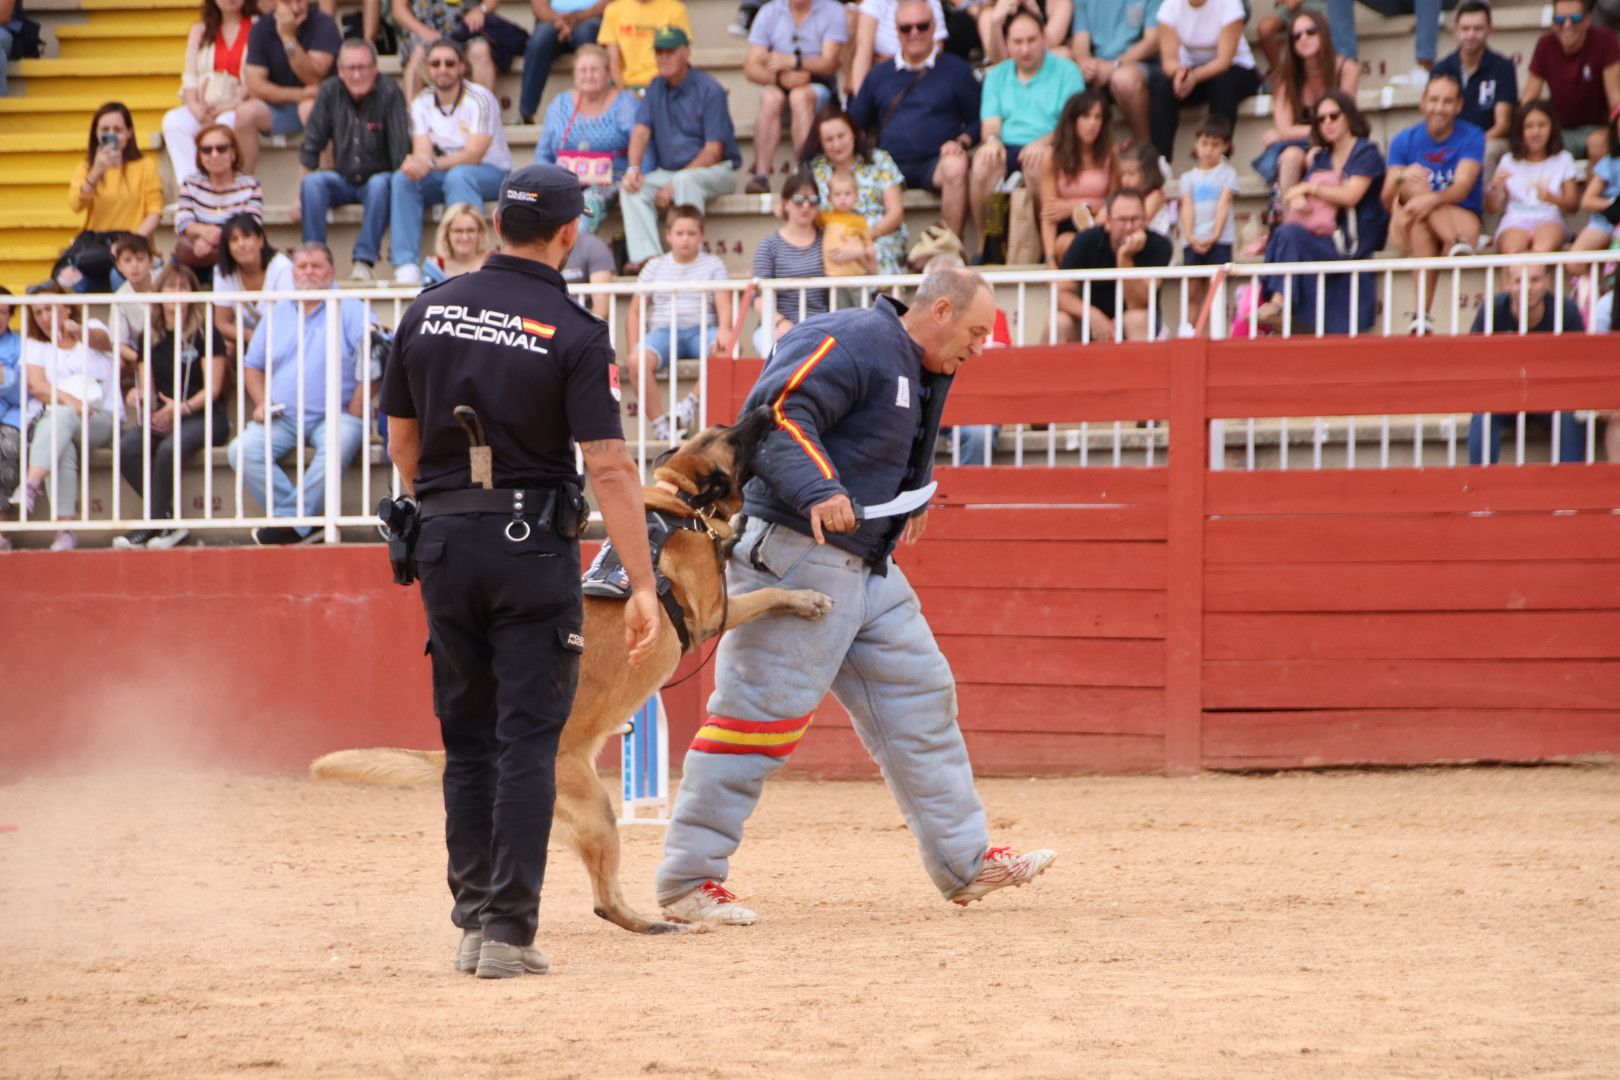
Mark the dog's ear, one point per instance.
(748, 432)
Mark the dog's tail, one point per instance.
(381, 766)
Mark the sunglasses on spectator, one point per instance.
(914, 27)
(1572, 20)
(447, 62)
(1324, 117)
(215, 148)
(802, 200)
(1305, 31)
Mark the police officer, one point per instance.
(498, 550)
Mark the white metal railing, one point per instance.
(103, 501)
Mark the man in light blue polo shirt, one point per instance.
(291, 400)
(1116, 44)
(687, 121)
(794, 51)
(1018, 109)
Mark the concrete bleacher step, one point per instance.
(111, 41)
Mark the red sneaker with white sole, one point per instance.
(1002, 867)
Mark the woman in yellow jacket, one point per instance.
(117, 189)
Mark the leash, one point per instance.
(725, 602)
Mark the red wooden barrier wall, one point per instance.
(1106, 619)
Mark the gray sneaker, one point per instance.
(168, 538)
(467, 952)
(498, 960)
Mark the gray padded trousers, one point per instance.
(875, 652)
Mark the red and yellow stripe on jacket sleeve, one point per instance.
(786, 424)
(773, 738)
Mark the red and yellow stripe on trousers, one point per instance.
(773, 738)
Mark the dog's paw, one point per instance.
(809, 604)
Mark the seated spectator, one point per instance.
(491, 42)
(1524, 304)
(1425, 36)
(587, 131)
(1122, 242)
(877, 40)
(17, 408)
(847, 247)
(1023, 97)
(1116, 45)
(1055, 16)
(362, 119)
(629, 32)
(370, 18)
(247, 264)
(1578, 65)
(132, 255)
(1433, 189)
(458, 154)
(178, 380)
(1602, 196)
(679, 325)
(11, 35)
(591, 262)
(459, 245)
(1205, 58)
(1142, 170)
(1344, 174)
(924, 104)
(838, 143)
(1309, 68)
(794, 49)
(1208, 191)
(211, 84)
(117, 190)
(72, 372)
(210, 196)
(793, 251)
(294, 347)
(1490, 84)
(290, 50)
(1079, 175)
(559, 26)
(1534, 186)
(685, 119)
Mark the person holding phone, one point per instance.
(117, 190)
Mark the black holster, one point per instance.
(574, 513)
(402, 522)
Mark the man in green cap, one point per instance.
(685, 122)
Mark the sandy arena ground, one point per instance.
(1445, 923)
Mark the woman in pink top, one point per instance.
(1081, 171)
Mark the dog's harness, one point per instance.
(607, 578)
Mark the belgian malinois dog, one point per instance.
(702, 479)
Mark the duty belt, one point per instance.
(542, 504)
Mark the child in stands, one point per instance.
(680, 325)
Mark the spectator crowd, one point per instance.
(1047, 129)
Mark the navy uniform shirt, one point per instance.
(509, 341)
(1494, 80)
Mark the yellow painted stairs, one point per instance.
(126, 50)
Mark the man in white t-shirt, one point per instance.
(458, 153)
(1192, 39)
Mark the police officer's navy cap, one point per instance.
(550, 191)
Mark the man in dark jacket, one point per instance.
(363, 119)
(925, 106)
(857, 397)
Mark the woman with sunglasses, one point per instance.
(1343, 172)
(1308, 68)
(72, 372)
(793, 251)
(211, 196)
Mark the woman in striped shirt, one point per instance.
(210, 197)
(793, 251)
